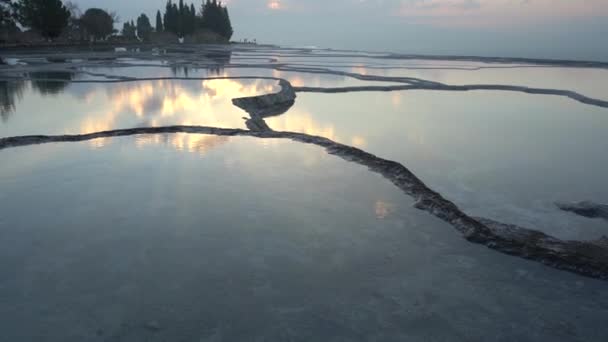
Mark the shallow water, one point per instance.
(588, 82)
(92, 107)
(190, 237)
(253, 239)
(499, 155)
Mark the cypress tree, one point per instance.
(144, 28)
(129, 30)
(175, 26)
(227, 30)
(181, 18)
(192, 19)
(181, 14)
(168, 20)
(217, 19)
(159, 22)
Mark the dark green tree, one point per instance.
(226, 29)
(159, 22)
(191, 20)
(175, 15)
(129, 30)
(144, 28)
(167, 19)
(180, 18)
(216, 18)
(181, 15)
(49, 17)
(98, 23)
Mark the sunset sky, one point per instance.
(539, 28)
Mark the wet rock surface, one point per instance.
(585, 208)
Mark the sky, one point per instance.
(573, 29)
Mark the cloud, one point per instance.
(438, 4)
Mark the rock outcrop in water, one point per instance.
(586, 209)
(268, 105)
(263, 106)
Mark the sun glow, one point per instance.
(274, 5)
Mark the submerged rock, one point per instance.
(586, 209)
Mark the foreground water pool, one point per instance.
(240, 238)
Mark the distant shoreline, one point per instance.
(548, 62)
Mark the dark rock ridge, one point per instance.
(264, 106)
(585, 258)
(444, 87)
(586, 209)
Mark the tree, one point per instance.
(180, 18)
(181, 14)
(129, 30)
(216, 18)
(175, 15)
(159, 22)
(170, 18)
(191, 27)
(74, 9)
(7, 16)
(226, 29)
(75, 28)
(144, 29)
(99, 23)
(49, 17)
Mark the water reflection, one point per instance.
(10, 93)
(91, 107)
(383, 209)
(219, 57)
(51, 82)
(180, 71)
(162, 103)
(506, 156)
(194, 143)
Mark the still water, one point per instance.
(189, 237)
(243, 239)
(500, 155)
